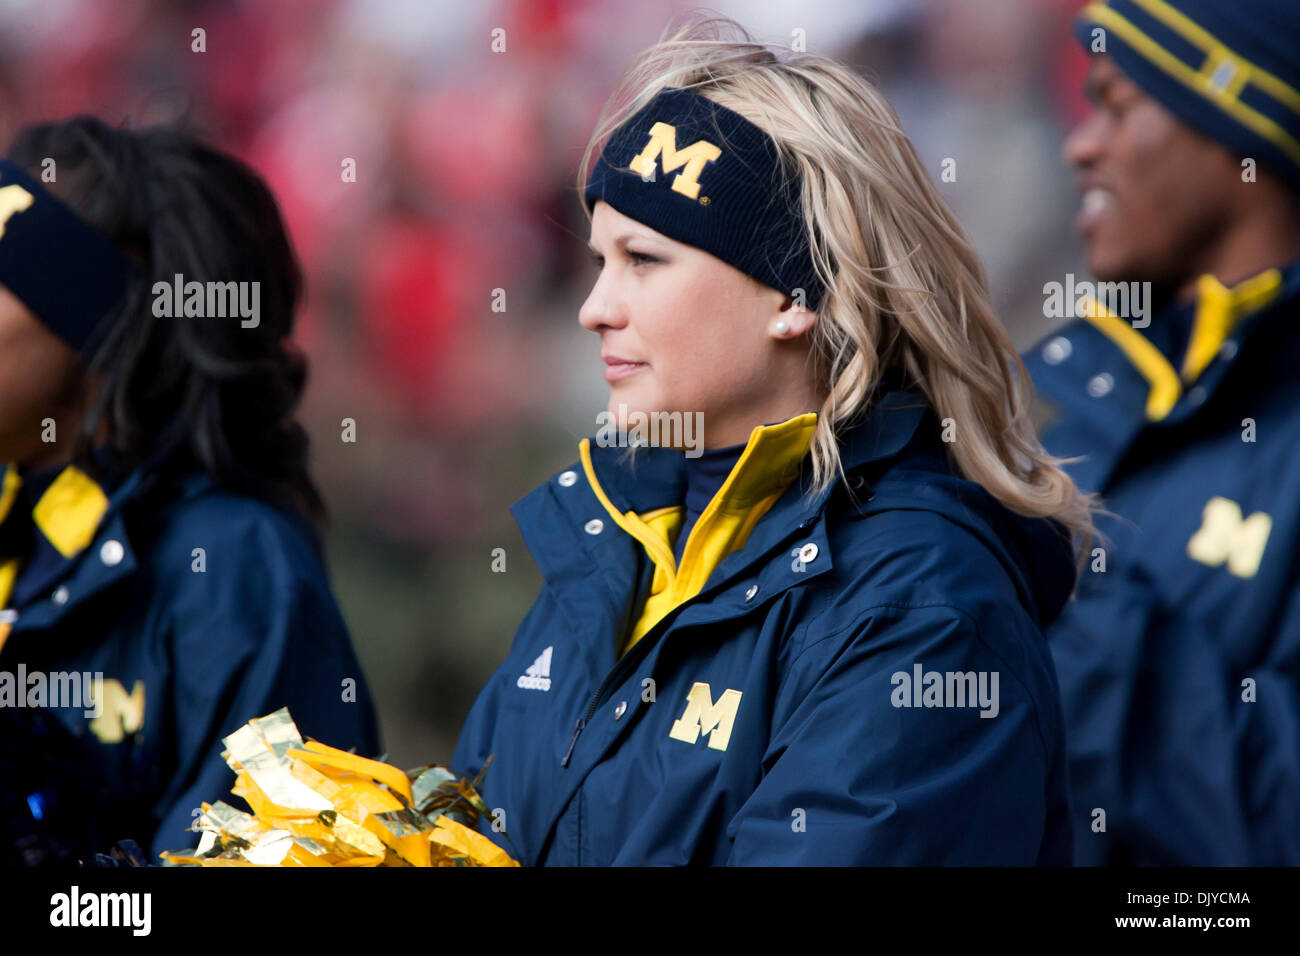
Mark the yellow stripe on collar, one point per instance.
(769, 463)
(68, 512)
(9, 492)
(1219, 309)
(8, 577)
(765, 468)
(629, 521)
(1162, 380)
(8, 568)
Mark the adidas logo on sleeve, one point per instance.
(538, 675)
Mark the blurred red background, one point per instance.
(466, 161)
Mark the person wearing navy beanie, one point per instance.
(1178, 660)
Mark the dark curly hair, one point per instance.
(175, 205)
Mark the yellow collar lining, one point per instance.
(1219, 309)
(769, 462)
(67, 513)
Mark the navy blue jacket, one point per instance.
(187, 657)
(1179, 661)
(757, 722)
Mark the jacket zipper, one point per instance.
(591, 710)
(637, 530)
(639, 653)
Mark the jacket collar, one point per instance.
(86, 523)
(646, 478)
(1219, 315)
(67, 510)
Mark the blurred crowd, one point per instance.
(465, 161)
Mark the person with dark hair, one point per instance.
(1179, 661)
(161, 575)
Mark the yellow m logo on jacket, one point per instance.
(702, 715)
(1225, 536)
(120, 713)
(663, 142)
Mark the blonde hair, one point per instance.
(904, 286)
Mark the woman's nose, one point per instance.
(601, 310)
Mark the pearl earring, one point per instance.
(782, 327)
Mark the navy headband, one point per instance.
(69, 275)
(706, 176)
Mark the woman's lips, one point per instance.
(616, 370)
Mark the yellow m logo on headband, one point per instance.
(1225, 536)
(663, 142)
(702, 715)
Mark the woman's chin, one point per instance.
(625, 401)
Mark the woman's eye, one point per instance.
(638, 258)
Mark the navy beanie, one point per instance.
(1228, 68)
(706, 176)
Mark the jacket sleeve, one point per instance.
(258, 630)
(1266, 699)
(857, 774)
(1194, 758)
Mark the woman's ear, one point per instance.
(791, 321)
